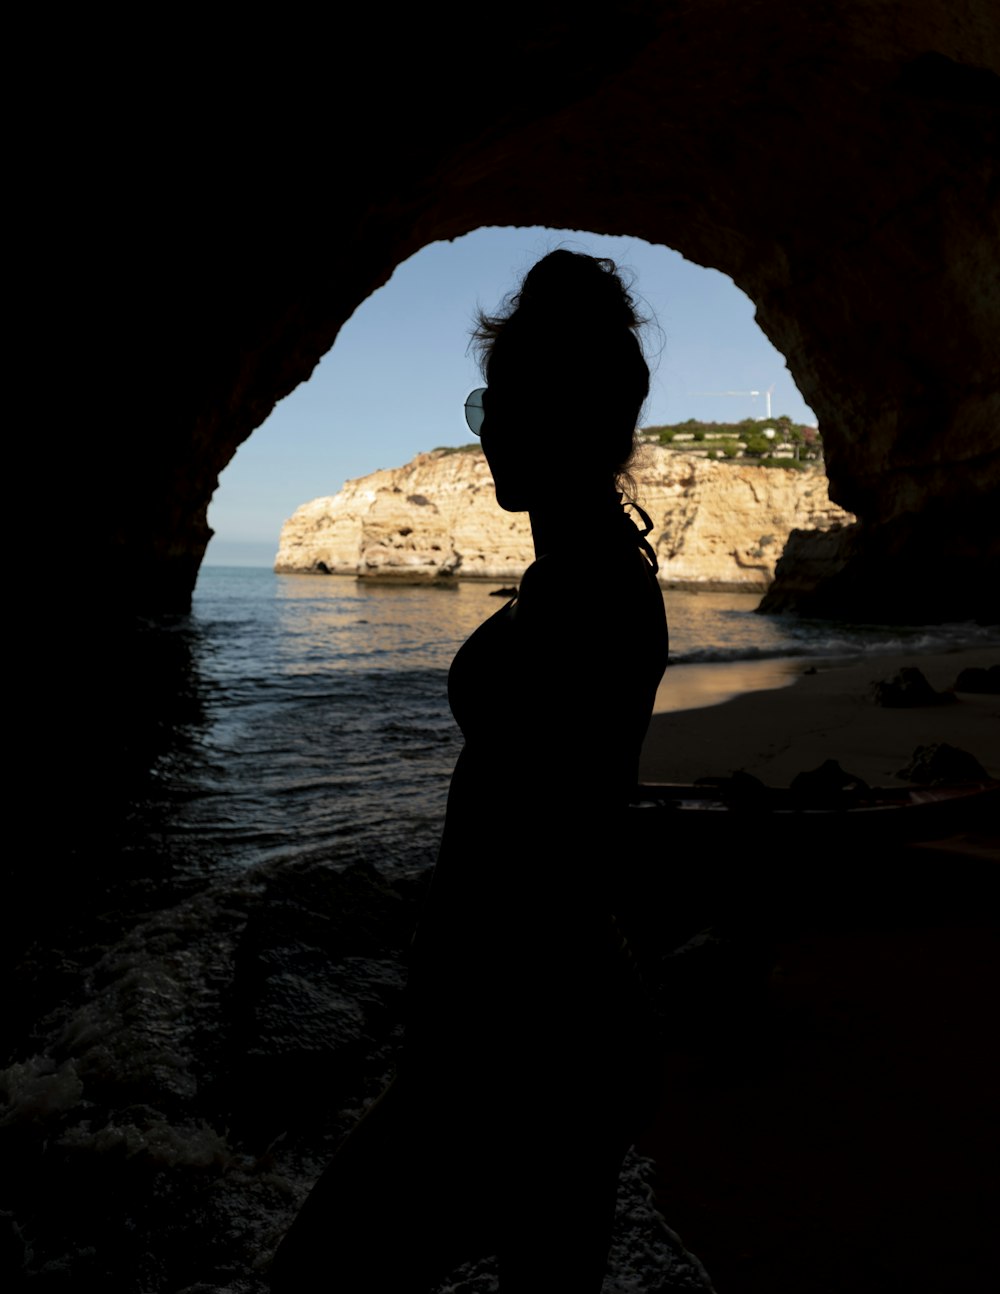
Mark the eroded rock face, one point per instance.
(839, 162)
(435, 518)
(724, 525)
(715, 525)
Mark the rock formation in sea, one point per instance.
(716, 525)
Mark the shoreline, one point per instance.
(817, 709)
(698, 685)
(436, 579)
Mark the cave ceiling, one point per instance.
(237, 200)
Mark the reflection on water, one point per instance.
(337, 623)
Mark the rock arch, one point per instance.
(224, 203)
(838, 163)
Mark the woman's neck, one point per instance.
(549, 519)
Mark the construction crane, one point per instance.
(767, 396)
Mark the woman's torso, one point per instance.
(553, 695)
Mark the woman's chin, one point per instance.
(512, 500)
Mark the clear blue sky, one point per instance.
(396, 379)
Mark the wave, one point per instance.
(813, 640)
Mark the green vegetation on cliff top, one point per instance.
(789, 445)
(771, 442)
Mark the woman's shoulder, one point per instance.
(554, 573)
(562, 580)
(602, 584)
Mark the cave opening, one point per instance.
(840, 164)
(392, 384)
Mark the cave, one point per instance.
(226, 206)
(839, 166)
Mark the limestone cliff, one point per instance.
(715, 525)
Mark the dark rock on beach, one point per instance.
(984, 681)
(828, 786)
(943, 764)
(909, 688)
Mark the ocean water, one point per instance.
(324, 727)
(162, 1112)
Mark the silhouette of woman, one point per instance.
(530, 1055)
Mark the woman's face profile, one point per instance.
(518, 420)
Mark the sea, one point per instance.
(161, 1120)
(324, 727)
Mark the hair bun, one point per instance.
(574, 286)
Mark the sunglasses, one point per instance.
(475, 414)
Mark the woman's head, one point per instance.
(563, 359)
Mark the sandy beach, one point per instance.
(839, 1135)
(826, 712)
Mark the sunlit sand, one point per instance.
(826, 714)
(692, 687)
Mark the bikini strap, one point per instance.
(647, 526)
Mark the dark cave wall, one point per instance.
(839, 164)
